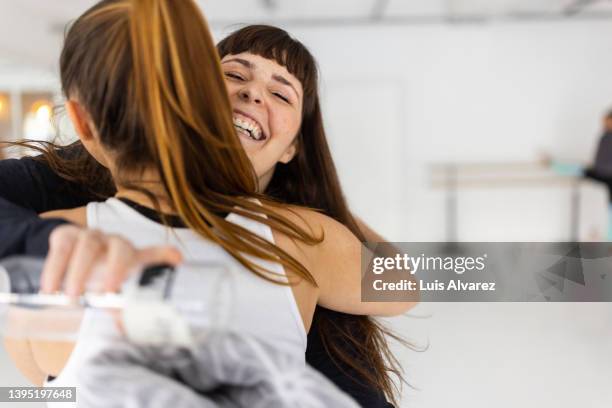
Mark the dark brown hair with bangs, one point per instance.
(311, 180)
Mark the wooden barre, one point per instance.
(505, 182)
(484, 166)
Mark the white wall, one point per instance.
(398, 98)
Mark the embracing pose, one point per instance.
(146, 94)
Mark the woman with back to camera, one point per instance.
(95, 121)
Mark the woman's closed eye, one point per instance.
(281, 96)
(234, 75)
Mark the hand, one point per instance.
(74, 253)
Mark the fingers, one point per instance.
(74, 253)
(159, 255)
(90, 246)
(121, 257)
(61, 245)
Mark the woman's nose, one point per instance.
(248, 95)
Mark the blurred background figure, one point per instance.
(603, 158)
(600, 170)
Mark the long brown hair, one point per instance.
(310, 179)
(148, 75)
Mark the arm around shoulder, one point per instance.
(336, 265)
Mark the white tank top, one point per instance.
(260, 308)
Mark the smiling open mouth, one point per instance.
(248, 127)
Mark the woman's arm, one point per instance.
(29, 187)
(73, 252)
(335, 264)
(338, 266)
(32, 184)
(22, 232)
(35, 359)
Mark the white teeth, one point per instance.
(249, 125)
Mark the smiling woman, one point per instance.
(267, 102)
(273, 78)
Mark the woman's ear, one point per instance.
(290, 152)
(80, 120)
(86, 131)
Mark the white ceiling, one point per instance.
(31, 30)
(249, 10)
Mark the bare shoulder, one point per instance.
(313, 221)
(335, 238)
(76, 216)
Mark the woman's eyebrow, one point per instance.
(241, 61)
(284, 81)
(278, 78)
